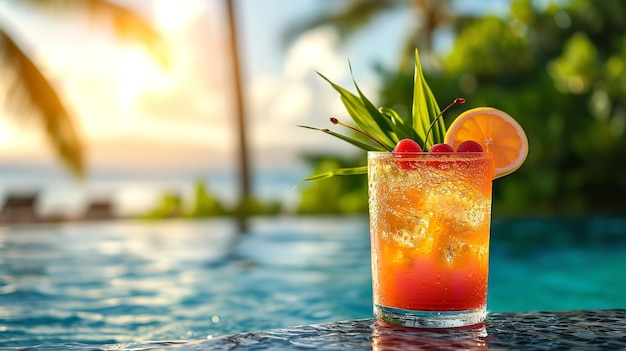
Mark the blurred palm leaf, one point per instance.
(30, 95)
(356, 15)
(346, 21)
(126, 24)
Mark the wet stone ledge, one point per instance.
(561, 330)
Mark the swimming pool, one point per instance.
(115, 282)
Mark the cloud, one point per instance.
(317, 50)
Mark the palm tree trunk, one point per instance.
(244, 172)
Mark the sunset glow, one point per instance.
(136, 116)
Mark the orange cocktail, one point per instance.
(430, 201)
(430, 218)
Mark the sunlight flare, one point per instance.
(138, 73)
(171, 16)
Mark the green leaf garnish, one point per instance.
(334, 172)
(385, 125)
(357, 143)
(376, 128)
(426, 109)
(398, 125)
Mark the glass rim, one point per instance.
(423, 154)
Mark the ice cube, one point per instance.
(408, 227)
(458, 203)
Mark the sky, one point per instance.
(134, 113)
(138, 117)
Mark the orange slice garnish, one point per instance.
(496, 132)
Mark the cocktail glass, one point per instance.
(430, 217)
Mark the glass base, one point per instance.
(429, 319)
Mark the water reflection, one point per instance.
(115, 282)
(386, 337)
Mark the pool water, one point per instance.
(112, 283)
(557, 265)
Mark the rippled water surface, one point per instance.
(113, 283)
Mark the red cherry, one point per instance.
(404, 147)
(441, 147)
(469, 146)
(407, 145)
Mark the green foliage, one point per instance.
(205, 204)
(489, 48)
(577, 67)
(253, 206)
(169, 206)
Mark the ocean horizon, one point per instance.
(133, 192)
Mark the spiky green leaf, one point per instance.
(376, 115)
(425, 109)
(396, 122)
(357, 143)
(361, 116)
(335, 172)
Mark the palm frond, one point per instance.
(31, 94)
(125, 23)
(346, 21)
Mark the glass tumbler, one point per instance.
(430, 216)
